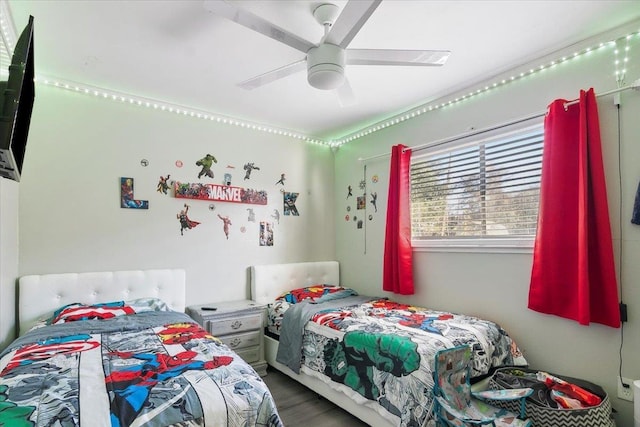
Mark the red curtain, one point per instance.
(398, 256)
(573, 274)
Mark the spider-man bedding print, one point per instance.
(154, 368)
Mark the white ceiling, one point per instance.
(178, 52)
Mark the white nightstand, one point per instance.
(238, 324)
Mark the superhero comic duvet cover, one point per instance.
(380, 351)
(118, 365)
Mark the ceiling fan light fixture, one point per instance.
(326, 76)
(325, 66)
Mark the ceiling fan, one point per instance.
(325, 61)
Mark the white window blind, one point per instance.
(484, 190)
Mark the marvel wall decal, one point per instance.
(221, 193)
(163, 184)
(266, 233)
(226, 222)
(290, 203)
(252, 215)
(205, 164)
(249, 167)
(127, 200)
(185, 222)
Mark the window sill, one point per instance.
(474, 245)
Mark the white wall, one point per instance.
(495, 285)
(8, 258)
(70, 215)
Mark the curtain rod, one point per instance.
(634, 85)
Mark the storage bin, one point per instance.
(542, 415)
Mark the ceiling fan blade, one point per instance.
(397, 57)
(256, 23)
(274, 75)
(351, 19)
(346, 97)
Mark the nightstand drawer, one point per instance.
(243, 340)
(219, 327)
(238, 325)
(249, 355)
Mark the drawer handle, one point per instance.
(235, 342)
(237, 324)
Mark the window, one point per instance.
(478, 194)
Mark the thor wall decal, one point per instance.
(221, 193)
(185, 222)
(127, 199)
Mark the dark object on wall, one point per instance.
(635, 216)
(16, 103)
(623, 312)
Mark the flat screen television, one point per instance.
(16, 103)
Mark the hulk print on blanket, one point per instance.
(12, 414)
(351, 360)
(382, 352)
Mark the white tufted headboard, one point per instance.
(40, 295)
(270, 281)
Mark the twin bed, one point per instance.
(139, 360)
(371, 356)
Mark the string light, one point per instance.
(171, 108)
(620, 65)
(6, 27)
(621, 61)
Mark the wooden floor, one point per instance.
(300, 407)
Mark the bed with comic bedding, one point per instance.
(371, 356)
(127, 355)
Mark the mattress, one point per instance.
(120, 364)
